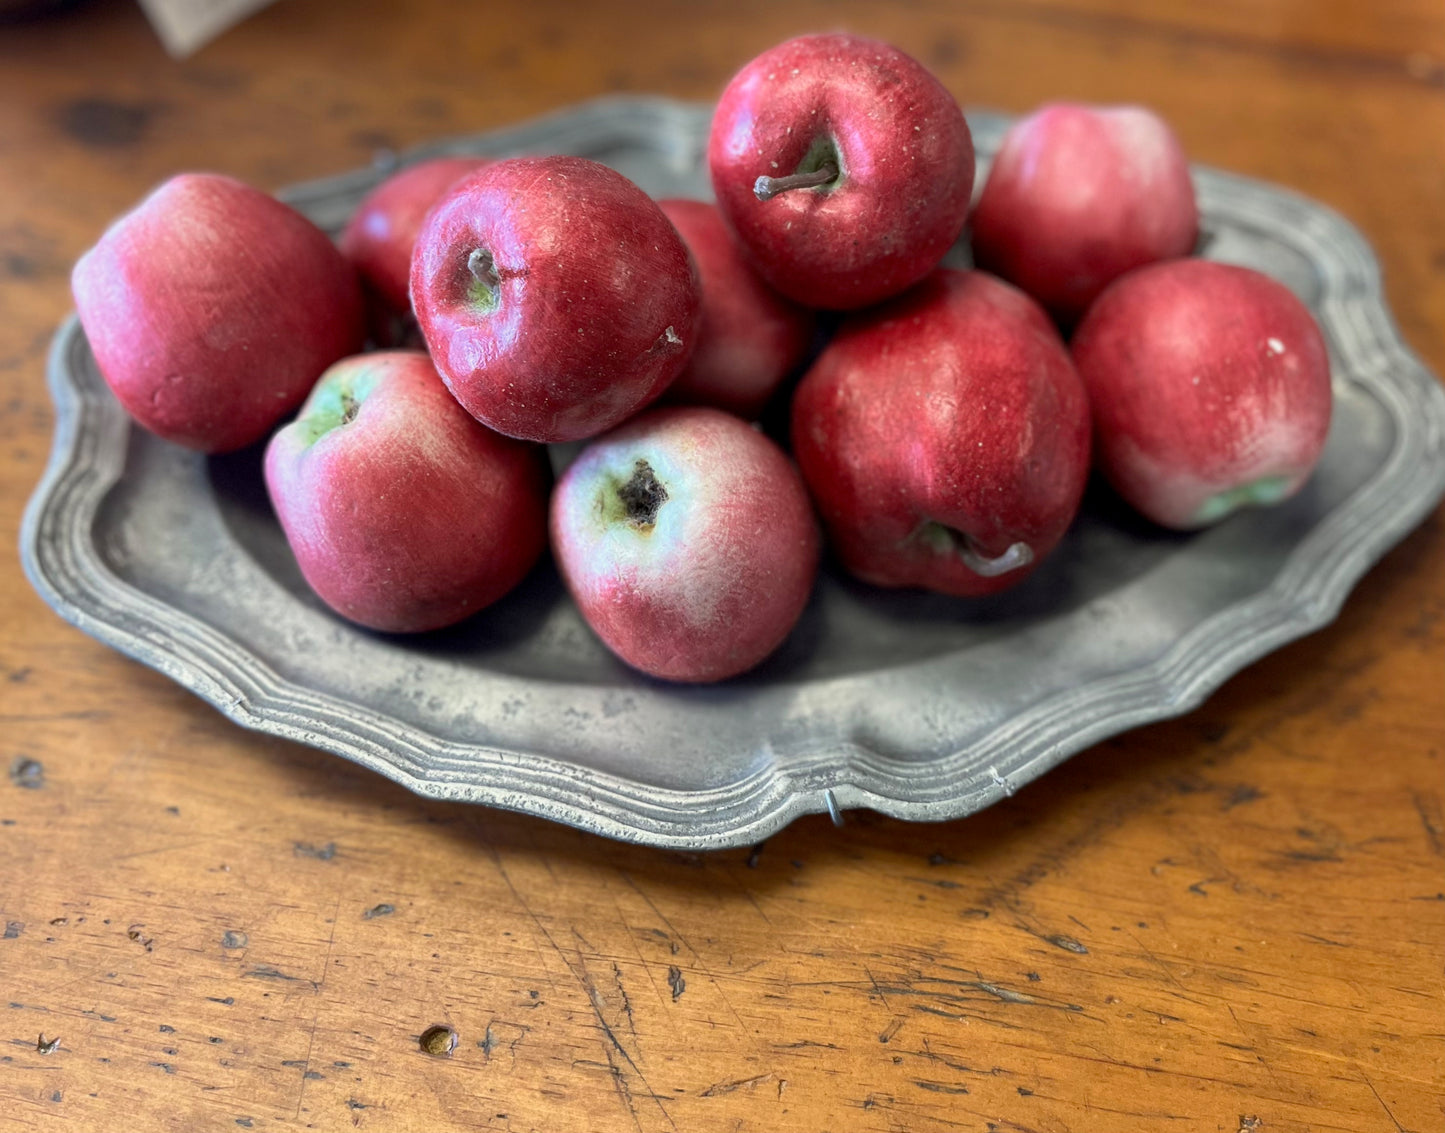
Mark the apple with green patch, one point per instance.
(404, 512)
(555, 297)
(1210, 386)
(688, 542)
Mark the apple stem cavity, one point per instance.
(642, 496)
(949, 540)
(485, 289)
(335, 402)
(820, 167)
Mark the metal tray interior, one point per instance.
(916, 705)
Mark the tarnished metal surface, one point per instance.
(916, 705)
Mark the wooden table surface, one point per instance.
(1234, 921)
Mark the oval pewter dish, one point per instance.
(915, 705)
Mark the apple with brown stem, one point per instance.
(555, 297)
(944, 437)
(842, 166)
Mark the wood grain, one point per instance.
(1233, 921)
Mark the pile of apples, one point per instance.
(943, 433)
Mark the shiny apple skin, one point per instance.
(907, 168)
(597, 300)
(1078, 195)
(718, 580)
(750, 338)
(957, 405)
(379, 238)
(212, 308)
(1210, 386)
(412, 515)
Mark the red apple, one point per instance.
(750, 338)
(1210, 387)
(555, 297)
(945, 437)
(1077, 196)
(212, 309)
(380, 236)
(688, 542)
(404, 512)
(842, 166)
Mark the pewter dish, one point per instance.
(915, 705)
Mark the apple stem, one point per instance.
(766, 188)
(1018, 555)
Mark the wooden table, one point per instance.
(1234, 921)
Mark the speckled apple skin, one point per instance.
(212, 308)
(1204, 378)
(907, 168)
(598, 303)
(413, 515)
(723, 575)
(379, 238)
(749, 337)
(956, 403)
(1078, 195)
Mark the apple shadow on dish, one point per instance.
(848, 627)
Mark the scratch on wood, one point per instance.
(1322, 940)
(1241, 794)
(307, 850)
(1428, 809)
(316, 1015)
(741, 1084)
(267, 972)
(1399, 1128)
(939, 1087)
(579, 972)
(892, 1029)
